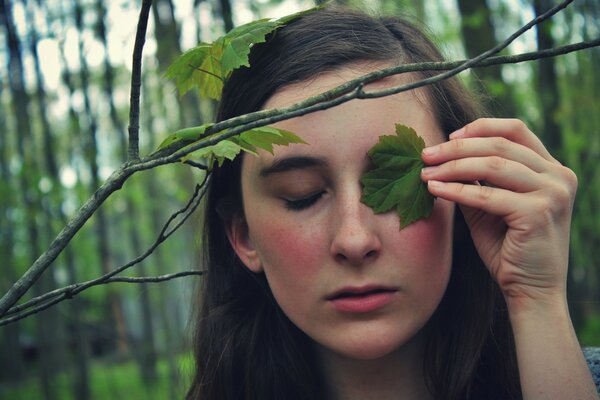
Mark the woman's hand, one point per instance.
(520, 214)
(519, 219)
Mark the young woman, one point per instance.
(310, 295)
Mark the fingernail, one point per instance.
(429, 151)
(428, 170)
(457, 134)
(435, 184)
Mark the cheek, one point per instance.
(430, 244)
(286, 246)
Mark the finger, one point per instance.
(496, 201)
(497, 171)
(481, 147)
(512, 129)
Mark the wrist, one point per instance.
(538, 302)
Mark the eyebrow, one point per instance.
(290, 164)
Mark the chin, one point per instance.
(374, 347)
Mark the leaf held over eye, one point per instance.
(395, 182)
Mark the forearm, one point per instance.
(551, 363)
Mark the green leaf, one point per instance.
(225, 149)
(186, 135)
(395, 182)
(266, 136)
(238, 41)
(208, 65)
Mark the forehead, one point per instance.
(349, 130)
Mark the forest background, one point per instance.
(64, 101)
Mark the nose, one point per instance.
(355, 239)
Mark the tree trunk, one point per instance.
(478, 37)
(28, 188)
(76, 335)
(166, 33)
(226, 16)
(547, 86)
(11, 361)
(144, 348)
(101, 224)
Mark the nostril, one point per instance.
(340, 257)
(371, 254)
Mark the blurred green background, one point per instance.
(65, 80)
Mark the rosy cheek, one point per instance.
(284, 244)
(429, 242)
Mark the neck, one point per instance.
(398, 375)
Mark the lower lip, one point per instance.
(363, 304)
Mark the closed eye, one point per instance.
(303, 203)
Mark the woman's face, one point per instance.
(350, 279)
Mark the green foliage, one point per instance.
(208, 65)
(250, 141)
(264, 138)
(110, 381)
(191, 134)
(395, 182)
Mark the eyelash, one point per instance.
(301, 204)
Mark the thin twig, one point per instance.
(115, 279)
(196, 165)
(133, 150)
(154, 279)
(18, 289)
(56, 296)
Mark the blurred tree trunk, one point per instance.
(166, 34)
(90, 146)
(77, 336)
(144, 348)
(547, 84)
(158, 259)
(28, 187)
(50, 204)
(226, 16)
(478, 36)
(11, 361)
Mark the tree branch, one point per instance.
(125, 279)
(133, 151)
(53, 297)
(234, 126)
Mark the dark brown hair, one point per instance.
(245, 347)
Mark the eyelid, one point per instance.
(303, 202)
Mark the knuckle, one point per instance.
(518, 125)
(565, 187)
(485, 193)
(499, 144)
(570, 179)
(458, 144)
(452, 165)
(496, 163)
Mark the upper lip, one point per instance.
(360, 290)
